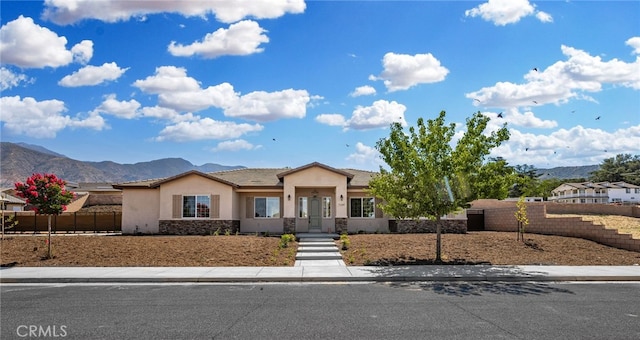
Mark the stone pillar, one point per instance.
(341, 225)
(289, 225)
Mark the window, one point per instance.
(196, 206)
(267, 207)
(302, 208)
(627, 190)
(326, 207)
(362, 207)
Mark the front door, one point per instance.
(315, 219)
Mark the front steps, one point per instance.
(318, 250)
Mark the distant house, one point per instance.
(11, 203)
(311, 198)
(600, 192)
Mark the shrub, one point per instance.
(285, 239)
(346, 243)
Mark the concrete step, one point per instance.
(315, 240)
(316, 244)
(319, 256)
(313, 249)
(332, 236)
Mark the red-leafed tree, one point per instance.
(46, 194)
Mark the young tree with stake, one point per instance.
(47, 195)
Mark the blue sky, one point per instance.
(286, 82)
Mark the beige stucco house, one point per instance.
(311, 198)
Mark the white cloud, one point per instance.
(365, 155)
(332, 119)
(206, 128)
(121, 109)
(70, 11)
(379, 115)
(402, 71)
(41, 119)
(242, 38)
(9, 79)
(544, 17)
(561, 81)
(514, 118)
(167, 79)
(635, 44)
(82, 52)
(503, 12)
(182, 93)
(166, 113)
(28, 45)
(269, 106)
(93, 75)
(566, 147)
(235, 145)
(365, 90)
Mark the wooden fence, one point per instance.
(94, 222)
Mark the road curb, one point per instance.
(513, 279)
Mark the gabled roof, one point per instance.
(315, 164)
(192, 172)
(257, 177)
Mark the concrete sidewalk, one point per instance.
(317, 274)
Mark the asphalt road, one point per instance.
(453, 310)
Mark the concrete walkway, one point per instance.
(305, 273)
(315, 250)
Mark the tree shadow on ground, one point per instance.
(464, 289)
(467, 280)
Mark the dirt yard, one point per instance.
(496, 248)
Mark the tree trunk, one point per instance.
(49, 237)
(438, 242)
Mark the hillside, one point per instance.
(17, 162)
(568, 172)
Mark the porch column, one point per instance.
(289, 211)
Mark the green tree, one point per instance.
(47, 195)
(493, 179)
(621, 168)
(525, 181)
(427, 177)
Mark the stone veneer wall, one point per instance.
(289, 226)
(341, 225)
(197, 227)
(429, 226)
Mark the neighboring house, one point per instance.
(98, 193)
(11, 203)
(601, 192)
(311, 198)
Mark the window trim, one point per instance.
(267, 199)
(362, 200)
(324, 214)
(195, 208)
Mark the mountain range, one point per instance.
(20, 160)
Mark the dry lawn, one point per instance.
(162, 251)
(496, 248)
(483, 247)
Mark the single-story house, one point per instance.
(600, 192)
(311, 198)
(12, 203)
